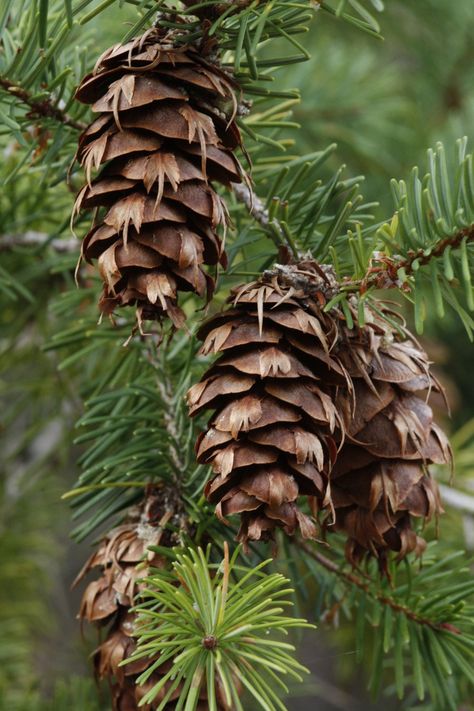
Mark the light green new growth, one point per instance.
(215, 626)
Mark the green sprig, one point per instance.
(216, 627)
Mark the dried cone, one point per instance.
(122, 559)
(165, 131)
(381, 478)
(270, 439)
(305, 406)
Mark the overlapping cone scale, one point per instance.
(381, 484)
(271, 439)
(164, 135)
(303, 406)
(122, 560)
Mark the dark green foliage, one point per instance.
(414, 628)
(132, 427)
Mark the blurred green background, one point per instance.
(383, 103)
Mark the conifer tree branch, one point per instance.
(261, 214)
(164, 387)
(385, 274)
(213, 10)
(354, 580)
(256, 208)
(455, 241)
(43, 108)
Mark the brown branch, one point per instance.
(438, 251)
(354, 580)
(385, 274)
(40, 108)
(39, 239)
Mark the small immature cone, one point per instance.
(165, 132)
(380, 482)
(270, 440)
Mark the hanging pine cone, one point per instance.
(270, 440)
(305, 406)
(166, 129)
(122, 559)
(381, 478)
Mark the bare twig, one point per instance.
(254, 205)
(169, 412)
(69, 245)
(354, 580)
(259, 212)
(40, 108)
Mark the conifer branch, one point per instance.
(43, 108)
(438, 251)
(213, 10)
(385, 275)
(257, 210)
(234, 615)
(165, 390)
(354, 580)
(134, 429)
(261, 214)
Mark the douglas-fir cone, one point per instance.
(380, 480)
(123, 560)
(107, 601)
(306, 407)
(271, 440)
(165, 132)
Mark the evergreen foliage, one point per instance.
(413, 628)
(213, 627)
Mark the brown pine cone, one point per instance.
(305, 406)
(381, 481)
(122, 559)
(270, 440)
(165, 133)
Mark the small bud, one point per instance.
(209, 642)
